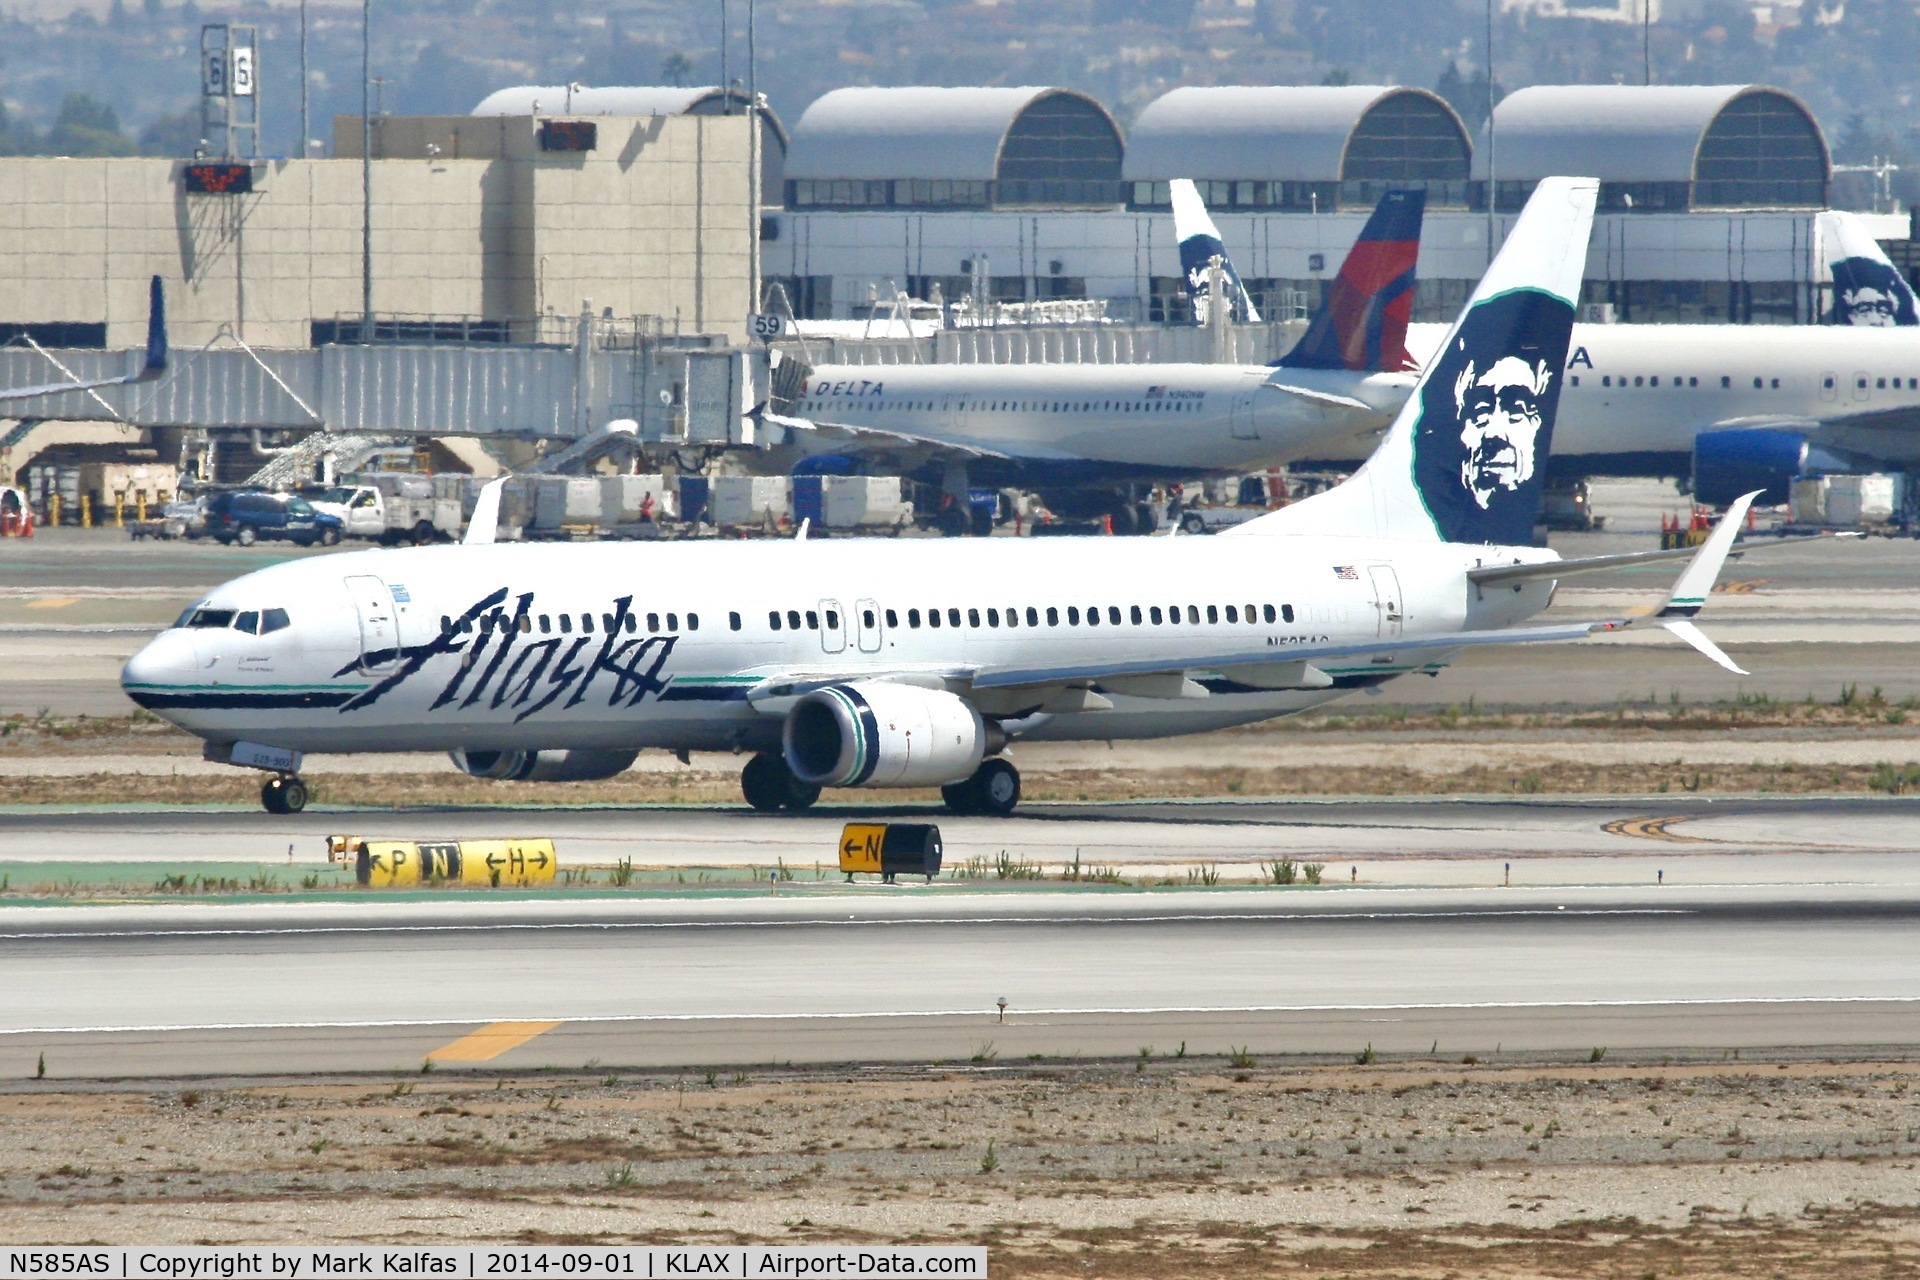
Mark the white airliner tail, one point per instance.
(1200, 244)
(1868, 290)
(1466, 459)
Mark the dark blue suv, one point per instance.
(244, 516)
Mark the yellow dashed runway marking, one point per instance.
(490, 1041)
(53, 602)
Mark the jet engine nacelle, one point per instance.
(871, 733)
(1739, 460)
(544, 766)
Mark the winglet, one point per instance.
(485, 524)
(156, 361)
(1696, 580)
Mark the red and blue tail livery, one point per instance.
(1362, 321)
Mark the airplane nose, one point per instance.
(167, 659)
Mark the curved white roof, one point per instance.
(913, 132)
(1616, 133)
(1285, 133)
(608, 100)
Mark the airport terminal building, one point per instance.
(1708, 194)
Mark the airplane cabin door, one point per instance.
(1387, 600)
(1240, 417)
(1829, 385)
(379, 635)
(833, 627)
(1859, 384)
(866, 620)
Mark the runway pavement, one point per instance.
(1787, 922)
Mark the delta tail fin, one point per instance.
(1362, 320)
(1868, 290)
(1466, 459)
(1200, 244)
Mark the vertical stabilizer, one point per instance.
(155, 363)
(1362, 320)
(1467, 457)
(1867, 289)
(1200, 244)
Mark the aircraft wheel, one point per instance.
(801, 796)
(958, 797)
(764, 782)
(996, 787)
(281, 794)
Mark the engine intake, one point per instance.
(871, 733)
(1739, 460)
(545, 766)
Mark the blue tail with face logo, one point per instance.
(1868, 290)
(1466, 459)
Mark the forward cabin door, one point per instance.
(1387, 600)
(379, 636)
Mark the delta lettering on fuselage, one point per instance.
(531, 676)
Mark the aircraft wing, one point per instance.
(152, 366)
(880, 434)
(1324, 398)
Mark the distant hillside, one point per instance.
(1852, 60)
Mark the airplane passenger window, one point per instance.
(1654, 381)
(1880, 384)
(1093, 615)
(893, 619)
(446, 623)
(813, 620)
(1286, 611)
(273, 620)
(673, 622)
(211, 618)
(1233, 614)
(793, 619)
(632, 624)
(1153, 612)
(545, 625)
(693, 621)
(1860, 383)
(933, 617)
(973, 617)
(1073, 615)
(1576, 379)
(773, 619)
(1013, 617)
(1252, 614)
(1757, 383)
(1693, 382)
(993, 617)
(653, 622)
(733, 622)
(913, 618)
(1193, 614)
(526, 624)
(833, 620)
(1606, 379)
(953, 617)
(866, 617)
(1213, 614)
(586, 623)
(1033, 616)
(1173, 615)
(1133, 615)
(566, 623)
(1725, 382)
(1267, 613)
(609, 623)
(1773, 384)
(1053, 616)
(1638, 380)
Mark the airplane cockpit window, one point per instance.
(272, 620)
(211, 618)
(249, 622)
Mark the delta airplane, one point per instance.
(916, 663)
(152, 366)
(1081, 433)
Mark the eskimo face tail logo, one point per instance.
(1486, 419)
(1870, 294)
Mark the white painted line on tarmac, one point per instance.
(1142, 1011)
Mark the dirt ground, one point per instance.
(1157, 1167)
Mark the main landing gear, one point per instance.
(993, 790)
(769, 785)
(283, 793)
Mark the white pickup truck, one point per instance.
(392, 509)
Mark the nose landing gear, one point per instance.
(283, 793)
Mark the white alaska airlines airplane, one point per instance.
(883, 663)
(1744, 407)
(1079, 433)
